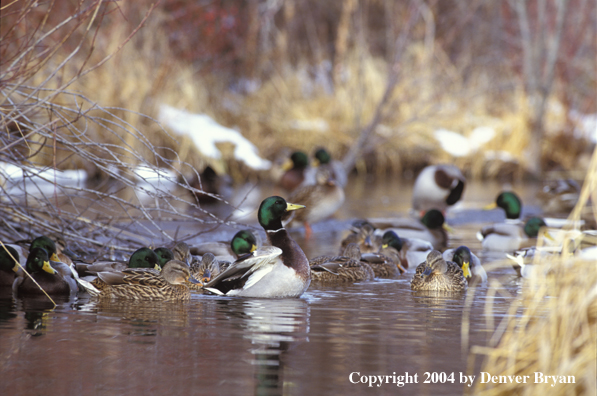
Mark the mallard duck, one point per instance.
(559, 196)
(204, 270)
(295, 167)
(45, 243)
(242, 243)
(438, 274)
(363, 234)
(164, 255)
(406, 252)
(8, 266)
(509, 236)
(321, 200)
(469, 263)
(138, 284)
(280, 270)
(345, 268)
(141, 258)
(323, 160)
(182, 252)
(437, 187)
(431, 227)
(508, 201)
(55, 279)
(382, 265)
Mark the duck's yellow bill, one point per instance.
(157, 267)
(54, 258)
(315, 162)
(15, 268)
(287, 165)
(448, 228)
(48, 268)
(466, 269)
(253, 248)
(384, 246)
(490, 206)
(547, 235)
(291, 206)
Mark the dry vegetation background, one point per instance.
(81, 83)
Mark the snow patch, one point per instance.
(458, 145)
(205, 133)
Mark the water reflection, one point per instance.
(274, 327)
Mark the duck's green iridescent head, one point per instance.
(164, 255)
(322, 157)
(144, 258)
(463, 257)
(38, 261)
(391, 239)
(299, 160)
(533, 225)
(243, 242)
(45, 243)
(271, 211)
(8, 263)
(433, 219)
(510, 203)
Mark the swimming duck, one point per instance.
(164, 255)
(295, 167)
(406, 252)
(53, 280)
(508, 201)
(438, 274)
(363, 234)
(141, 258)
(139, 284)
(8, 266)
(431, 227)
(345, 268)
(559, 196)
(382, 265)
(204, 270)
(323, 160)
(321, 200)
(279, 270)
(242, 243)
(508, 236)
(437, 187)
(469, 263)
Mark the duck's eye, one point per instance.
(146, 258)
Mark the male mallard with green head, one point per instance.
(437, 274)
(505, 237)
(295, 167)
(508, 201)
(138, 284)
(437, 187)
(469, 263)
(164, 255)
(431, 228)
(8, 266)
(242, 242)
(345, 268)
(279, 270)
(53, 281)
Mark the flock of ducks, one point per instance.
(373, 248)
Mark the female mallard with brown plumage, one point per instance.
(345, 268)
(437, 274)
(321, 201)
(363, 234)
(204, 270)
(138, 284)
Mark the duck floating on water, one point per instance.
(347, 267)
(437, 274)
(279, 270)
(55, 279)
(431, 228)
(438, 187)
(507, 237)
(469, 263)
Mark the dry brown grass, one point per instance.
(552, 327)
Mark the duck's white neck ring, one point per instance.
(274, 231)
